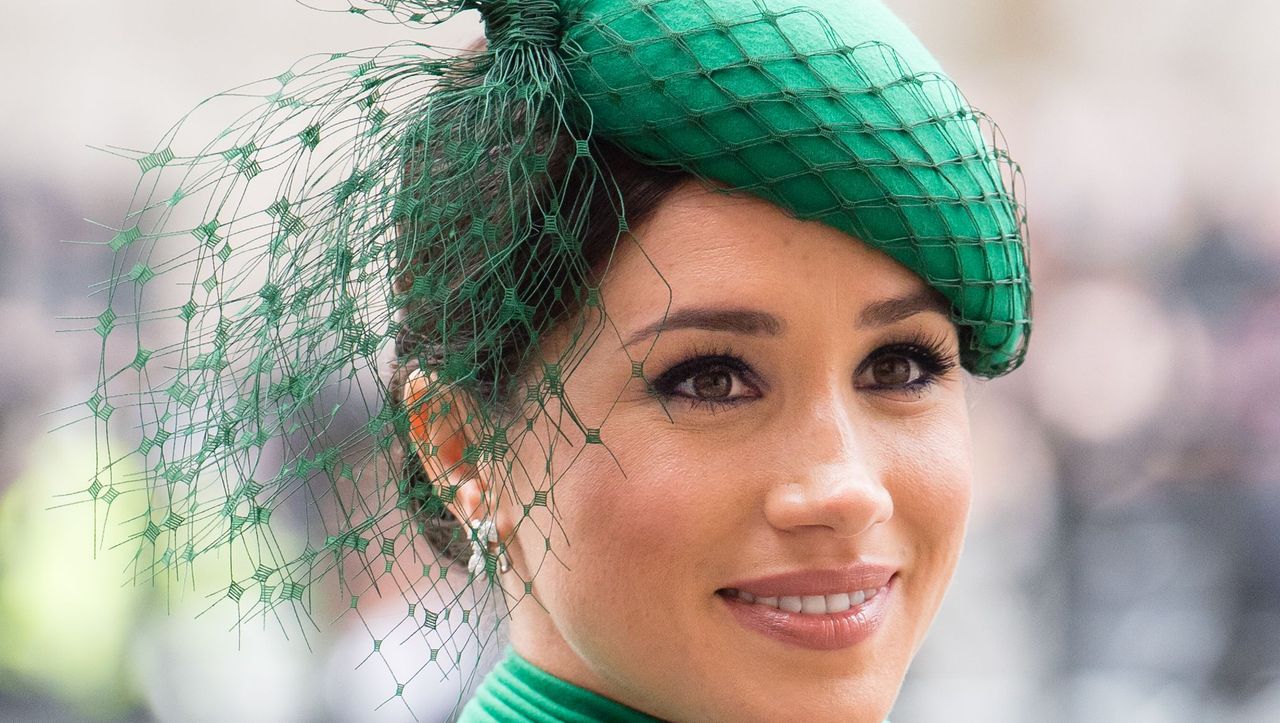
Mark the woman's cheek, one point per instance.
(631, 542)
(929, 463)
(929, 476)
(633, 503)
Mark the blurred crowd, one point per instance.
(1123, 560)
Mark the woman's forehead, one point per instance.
(702, 245)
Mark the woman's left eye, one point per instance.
(894, 370)
(903, 367)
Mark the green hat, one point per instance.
(833, 110)
(264, 278)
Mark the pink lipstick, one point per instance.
(827, 609)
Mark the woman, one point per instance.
(684, 294)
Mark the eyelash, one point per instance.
(928, 352)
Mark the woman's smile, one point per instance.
(806, 604)
(829, 609)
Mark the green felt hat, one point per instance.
(833, 110)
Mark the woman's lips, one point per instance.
(866, 589)
(859, 576)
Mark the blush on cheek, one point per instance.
(930, 462)
(935, 510)
(630, 554)
(931, 481)
(638, 516)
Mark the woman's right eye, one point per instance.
(715, 380)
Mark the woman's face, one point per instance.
(805, 441)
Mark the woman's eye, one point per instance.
(710, 384)
(908, 367)
(705, 381)
(895, 371)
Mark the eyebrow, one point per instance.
(754, 322)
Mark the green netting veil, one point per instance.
(413, 208)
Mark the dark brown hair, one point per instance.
(501, 372)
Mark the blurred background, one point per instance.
(1123, 562)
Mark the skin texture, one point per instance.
(820, 463)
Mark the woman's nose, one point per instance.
(832, 480)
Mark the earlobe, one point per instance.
(443, 430)
(440, 433)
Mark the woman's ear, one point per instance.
(442, 428)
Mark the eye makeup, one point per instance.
(927, 359)
(928, 356)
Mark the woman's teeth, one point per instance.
(807, 604)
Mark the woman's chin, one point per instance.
(833, 667)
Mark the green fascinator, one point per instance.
(406, 208)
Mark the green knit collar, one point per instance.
(517, 690)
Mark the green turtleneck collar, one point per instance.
(516, 691)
